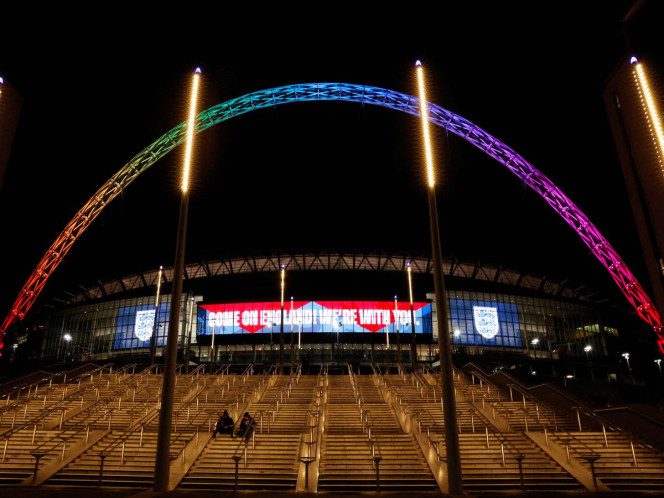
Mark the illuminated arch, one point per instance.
(309, 92)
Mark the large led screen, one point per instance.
(134, 326)
(313, 316)
(487, 323)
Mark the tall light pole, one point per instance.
(187, 350)
(626, 356)
(659, 365)
(292, 337)
(587, 349)
(162, 460)
(413, 344)
(398, 336)
(281, 323)
(155, 325)
(213, 355)
(388, 352)
(444, 343)
(67, 337)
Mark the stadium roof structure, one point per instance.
(339, 261)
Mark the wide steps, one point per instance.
(271, 464)
(347, 465)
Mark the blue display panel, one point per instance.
(134, 325)
(487, 323)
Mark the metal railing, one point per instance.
(106, 450)
(374, 446)
(241, 450)
(310, 433)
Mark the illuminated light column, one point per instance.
(292, 337)
(444, 343)
(155, 326)
(413, 344)
(213, 355)
(162, 460)
(191, 329)
(650, 110)
(396, 322)
(281, 324)
(398, 335)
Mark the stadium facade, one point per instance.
(342, 310)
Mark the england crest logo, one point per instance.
(486, 321)
(143, 325)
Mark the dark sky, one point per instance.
(319, 176)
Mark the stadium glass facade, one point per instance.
(480, 322)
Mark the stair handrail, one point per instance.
(615, 428)
(191, 431)
(61, 404)
(483, 380)
(248, 371)
(517, 383)
(142, 422)
(310, 429)
(200, 368)
(498, 434)
(104, 403)
(244, 439)
(560, 434)
(401, 370)
(527, 396)
(417, 414)
(222, 370)
(48, 377)
(370, 431)
(541, 420)
(65, 435)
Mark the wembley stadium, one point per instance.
(338, 308)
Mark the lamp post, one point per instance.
(281, 323)
(629, 367)
(388, 350)
(587, 349)
(387, 329)
(659, 365)
(626, 356)
(398, 337)
(413, 344)
(162, 460)
(155, 327)
(67, 337)
(213, 355)
(444, 344)
(292, 337)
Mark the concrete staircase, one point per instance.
(271, 465)
(119, 410)
(483, 468)
(270, 460)
(619, 467)
(18, 462)
(131, 467)
(347, 456)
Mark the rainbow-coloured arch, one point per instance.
(346, 92)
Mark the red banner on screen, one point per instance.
(341, 316)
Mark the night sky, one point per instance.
(326, 175)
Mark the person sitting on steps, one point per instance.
(246, 427)
(224, 425)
